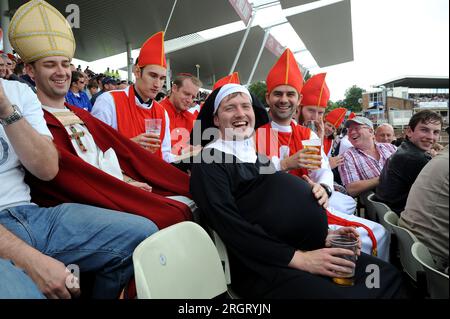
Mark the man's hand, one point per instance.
(324, 262)
(143, 186)
(6, 108)
(149, 141)
(345, 231)
(302, 159)
(319, 192)
(50, 276)
(336, 161)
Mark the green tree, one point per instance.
(307, 76)
(260, 90)
(334, 105)
(353, 98)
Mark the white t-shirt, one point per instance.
(105, 110)
(345, 145)
(13, 190)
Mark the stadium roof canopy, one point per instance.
(418, 82)
(326, 32)
(285, 4)
(216, 57)
(107, 26)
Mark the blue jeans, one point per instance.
(15, 284)
(94, 239)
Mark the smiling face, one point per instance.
(283, 102)
(52, 76)
(235, 117)
(183, 96)
(424, 135)
(361, 136)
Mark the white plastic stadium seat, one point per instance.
(178, 262)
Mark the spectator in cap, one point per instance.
(364, 161)
(108, 84)
(122, 85)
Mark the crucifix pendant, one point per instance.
(77, 137)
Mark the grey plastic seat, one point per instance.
(405, 240)
(363, 200)
(437, 282)
(178, 262)
(377, 210)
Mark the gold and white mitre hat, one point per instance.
(38, 30)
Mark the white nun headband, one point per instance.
(227, 90)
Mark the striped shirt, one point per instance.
(360, 166)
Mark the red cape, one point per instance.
(80, 182)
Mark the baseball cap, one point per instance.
(109, 80)
(359, 120)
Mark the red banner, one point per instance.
(243, 8)
(274, 46)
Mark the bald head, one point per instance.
(385, 133)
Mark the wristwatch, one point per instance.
(14, 117)
(327, 189)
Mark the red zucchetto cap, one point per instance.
(285, 72)
(315, 91)
(152, 51)
(336, 117)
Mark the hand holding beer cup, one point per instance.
(313, 147)
(347, 242)
(309, 158)
(153, 134)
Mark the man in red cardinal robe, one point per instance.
(98, 165)
(126, 110)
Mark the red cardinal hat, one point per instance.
(152, 51)
(351, 116)
(336, 117)
(232, 78)
(285, 72)
(316, 92)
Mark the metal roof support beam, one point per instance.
(168, 78)
(266, 37)
(130, 62)
(4, 20)
(236, 59)
(170, 16)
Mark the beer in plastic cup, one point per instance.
(153, 126)
(350, 243)
(313, 147)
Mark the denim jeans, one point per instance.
(94, 239)
(15, 284)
